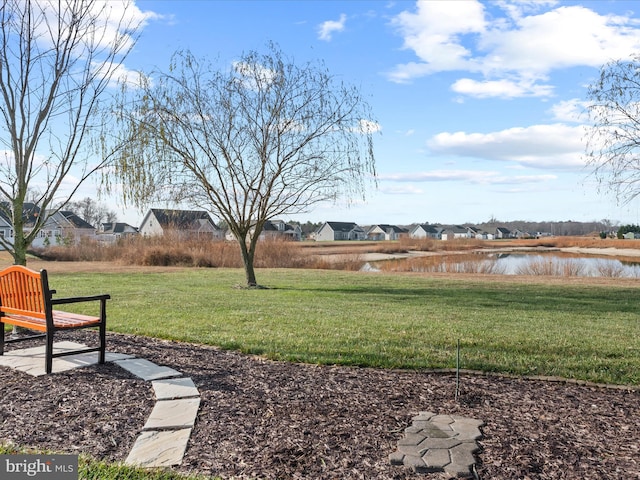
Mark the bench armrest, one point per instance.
(59, 301)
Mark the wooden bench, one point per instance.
(26, 301)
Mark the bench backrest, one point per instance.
(22, 291)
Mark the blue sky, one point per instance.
(479, 103)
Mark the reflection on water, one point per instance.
(554, 264)
(528, 264)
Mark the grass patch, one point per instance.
(92, 469)
(587, 332)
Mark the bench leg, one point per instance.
(1, 338)
(48, 366)
(103, 330)
(103, 342)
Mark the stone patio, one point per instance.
(439, 443)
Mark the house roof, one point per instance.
(269, 227)
(29, 211)
(180, 218)
(455, 229)
(342, 226)
(272, 226)
(118, 227)
(429, 228)
(75, 220)
(389, 228)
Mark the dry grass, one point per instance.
(170, 250)
(446, 263)
(567, 242)
(563, 268)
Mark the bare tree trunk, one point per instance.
(248, 255)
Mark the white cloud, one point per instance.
(555, 146)
(113, 20)
(368, 126)
(433, 33)
(574, 110)
(401, 190)
(466, 176)
(512, 48)
(500, 88)
(328, 28)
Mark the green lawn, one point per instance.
(379, 320)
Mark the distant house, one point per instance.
(159, 221)
(425, 231)
(6, 229)
(332, 231)
(280, 229)
(62, 228)
(503, 232)
(385, 232)
(483, 235)
(30, 213)
(111, 232)
(521, 234)
(454, 231)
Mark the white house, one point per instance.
(385, 232)
(71, 226)
(159, 221)
(425, 231)
(62, 228)
(332, 231)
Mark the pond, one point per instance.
(550, 264)
(507, 263)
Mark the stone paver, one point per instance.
(159, 448)
(439, 443)
(173, 414)
(172, 388)
(31, 360)
(147, 370)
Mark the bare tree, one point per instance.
(260, 138)
(56, 60)
(613, 137)
(92, 212)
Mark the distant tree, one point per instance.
(261, 139)
(623, 229)
(92, 212)
(56, 60)
(613, 137)
(309, 227)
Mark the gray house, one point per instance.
(159, 221)
(280, 229)
(111, 232)
(503, 232)
(455, 231)
(332, 231)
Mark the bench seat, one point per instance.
(27, 301)
(60, 320)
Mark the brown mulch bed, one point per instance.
(273, 420)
